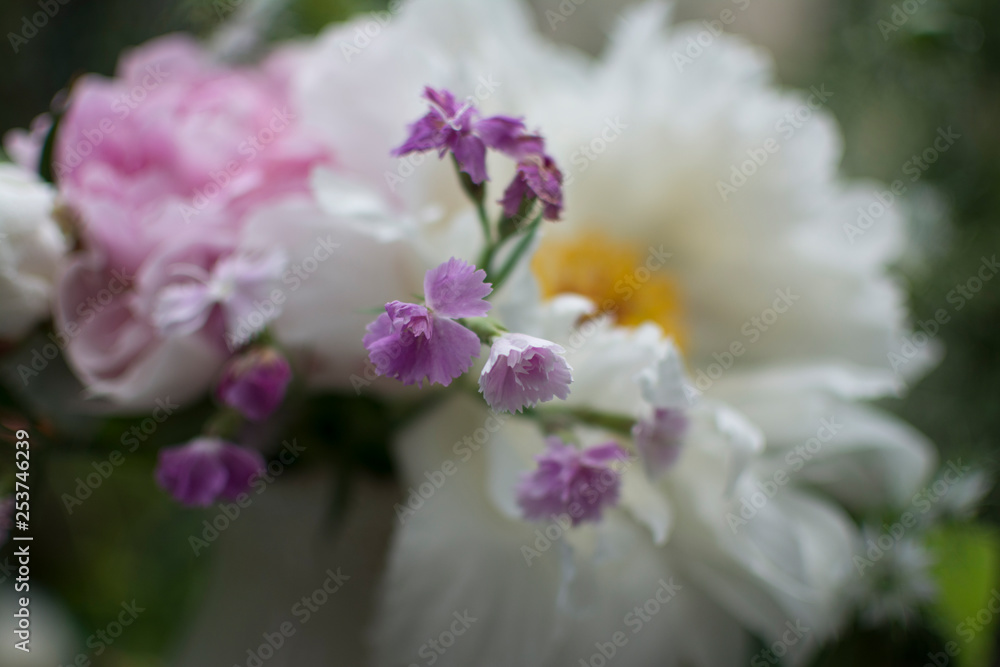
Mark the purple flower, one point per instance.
(523, 371)
(198, 473)
(450, 126)
(537, 177)
(411, 342)
(255, 383)
(571, 481)
(659, 438)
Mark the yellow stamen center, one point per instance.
(615, 275)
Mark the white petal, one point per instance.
(663, 385)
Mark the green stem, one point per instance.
(486, 328)
(45, 166)
(519, 250)
(477, 193)
(224, 424)
(486, 258)
(557, 418)
(485, 222)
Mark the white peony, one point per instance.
(783, 323)
(31, 246)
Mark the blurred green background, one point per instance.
(894, 89)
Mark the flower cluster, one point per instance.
(162, 285)
(458, 129)
(411, 342)
(160, 192)
(252, 387)
(438, 340)
(179, 227)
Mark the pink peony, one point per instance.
(163, 165)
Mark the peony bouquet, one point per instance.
(571, 359)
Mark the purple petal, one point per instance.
(458, 117)
(442, 127)
(605, 454)
(580, 483)
(457, 289)
(439, 358)
(523, 371)
(425, 134)
(450, 352)
(192, 474)
(500, 132)
(525, 146)
(545, 180)
(198, 473)
(552, 211)
(182, 309)
(659, 438)
(255, 383)
(384, 343)
(514, 195)
(537, 176)
(442, 100)
(411, 316)
(470, 151)
(242, 465)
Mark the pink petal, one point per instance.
(457, 289)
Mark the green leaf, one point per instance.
(967, 562)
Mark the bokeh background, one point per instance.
(894, 84)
